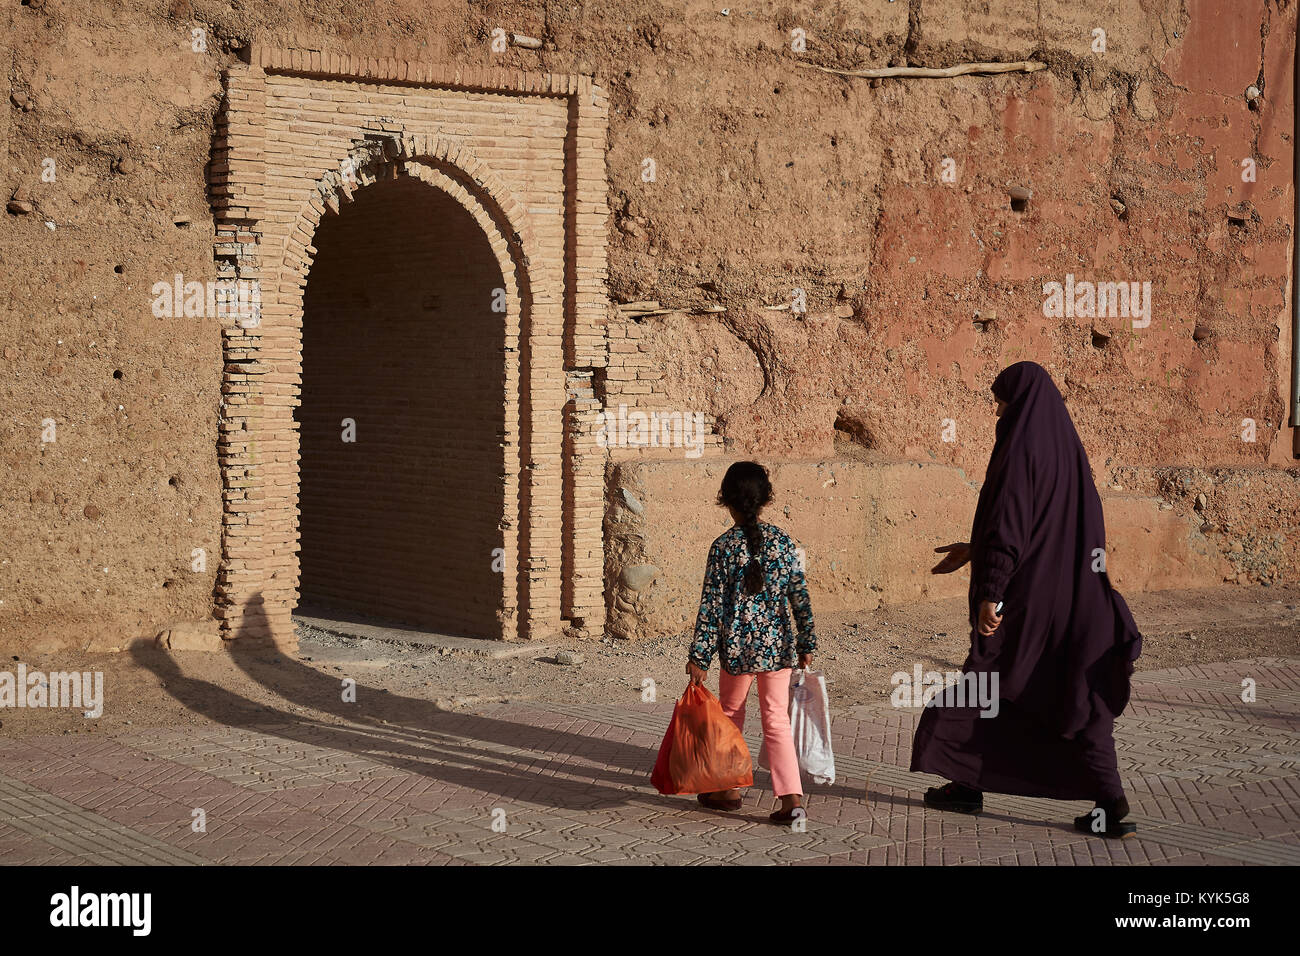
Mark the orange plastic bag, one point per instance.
(702, 752)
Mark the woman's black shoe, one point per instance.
(955, 797)
(1105, 820)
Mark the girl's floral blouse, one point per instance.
(753, 633)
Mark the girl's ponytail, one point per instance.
(754, 569)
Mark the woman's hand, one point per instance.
(695, 673)
(955, 555)
(989, 618)
(805, 661)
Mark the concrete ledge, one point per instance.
(192, 636)
(869, 530)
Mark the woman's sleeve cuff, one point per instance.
(991, 587)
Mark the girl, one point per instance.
(754, 569)
(1045, 621)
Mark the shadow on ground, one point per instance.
(413, 735)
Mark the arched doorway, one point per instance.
(403, 415)
(300, 137)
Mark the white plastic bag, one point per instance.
(810, 725)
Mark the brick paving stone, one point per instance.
(1212, 780)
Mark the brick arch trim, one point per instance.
(470, 181)
(474, 188)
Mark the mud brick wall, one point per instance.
(886, 205)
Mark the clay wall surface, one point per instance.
(828, 270)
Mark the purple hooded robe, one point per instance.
(1064, 650)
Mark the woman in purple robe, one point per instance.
(1046, 626)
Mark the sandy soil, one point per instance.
(152, 687)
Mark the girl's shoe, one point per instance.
(714, 803)
(956, 798)
(788, 816)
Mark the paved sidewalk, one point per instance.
(1212, 780)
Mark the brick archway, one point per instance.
(273, 186)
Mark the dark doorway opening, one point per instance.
(404, 353)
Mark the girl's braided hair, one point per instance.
(746, 489)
